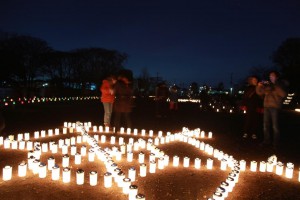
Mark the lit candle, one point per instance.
(143, 132)
(121, 140)
(7, 173)
(279, 168)
(22, 169)
(242, 165)
(43, 133)
(262, 166)
(51, 162)
(119, 178)
(65, 160)
(270, 166)
(253, 166)
(289, 170)
(83, 150)
(107, 180)
(64, 149)
(151, 133)
(1, 140)
(143, 169)
(152, 168)
(133, 191)
(197, 163)
(73, 150)
(26, 136)
(66, 174)
(50, 132)
(36, 134)
(91, 155)
(93, 178)
(54, 148)
(225, 185)
(135, 131)
(35, 166)
(209, 163)
(210, 134)
(126, 185)
(56, 131)
(77, 159)
(22, 144)
(122, 130)
(161, 163)
(186, 162)
(131, 173)
(129, 156)
(42, 170)
(103, 138)
(175, 161)
(231, 183)
(80, 177)
(55, 173)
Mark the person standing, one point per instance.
(161, 96)
(123, 103)
(274, 92)
(173, 98)
(108, 98)
(254, 104)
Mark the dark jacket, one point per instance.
(123, 97)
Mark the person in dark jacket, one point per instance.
(123, 103)
(253, 103)
(161, 96)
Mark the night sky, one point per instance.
(181, 41)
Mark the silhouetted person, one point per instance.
(161, 96)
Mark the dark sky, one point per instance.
(182, 41)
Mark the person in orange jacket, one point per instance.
(108, 98)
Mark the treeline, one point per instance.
(26, 59)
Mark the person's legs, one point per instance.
(267, 116)
(275, 127)
(106, 119)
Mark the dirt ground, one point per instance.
(170, 183)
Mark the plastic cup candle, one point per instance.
(35, 166)
(107, 180)
(55, 173)
(161, 163)
(119, 178)
(143, 132)
(66, 173)
(79, 139)
(64, 149)
(122, 130)
(103, 138)
(289, 170)
(77, 159)
(135, 131)
(121, 140)
(93, 178)
(151, 133)
(209, 163)
(26, 136)
(91, 155)
(186, 162)
(51, 162)
(175, 161)
(253, 166)
(270, 166)
(22, 144)
(36, 134)
(143, 170)
(262, 166)
(279, 168)
(132, 173)
(83, 150)
(42, 170)
(152, 167)
(54, 148)
(80, 177)
(210, 134)
(128, 131)
(223, 164)
(56, 131)
(50, 132)
(129, 156)
(7, 173)
(133, 191)
(65, 160)
(73, 140)
(242, 165)
(22, 169)
(73, 150)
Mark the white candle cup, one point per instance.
(51, 162)
(289, 170)
(186, 162)
(42, 170)
(56, 131)
(209, 163)
(143, 169)
(73, 140)
(175, 161)
(35, 166)
(83, 150)
(54, 148)
(22, 144)
(197, 163)
(65, 160)
(26, 136)
(36, 134)
(279, 168)
(91, 155)
(262, 166)
(132, 173)
(77, 159)
(270, 166)
(119, 178)
(129, 156)
(64, 149)
(112, 140)
(7, 173)
(80, 177)
(43, 133)
(152, 167)
(107, 180)
(161, 163)
(133, 191)
(151, 133)
(55, 173)
(135, 131)
(14, 144)
(103, 138)
(242, 165)
(22, 169)
(121, 140)
(66, 173)
(253, 166)
(93, 178)
(50, 132)
(128, 131)
(73, 150)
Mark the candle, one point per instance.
(186, 162)
(289, 170)
(103, 138)
(121, 140)
(73, 150)
(131, 173)
(65, 160)
(22, 169)
(175, 161)
(7, 173)
(161, 163)
(270, 166)
(143, 169)
(133, 191)
(42, 170)
(22, 145)
(43, 133)
(262, 166)
(77, 159)
(279, 168)
(56, 131)
(253, 166)
(54, 148)
(35, 166)
(223, 164)
(55, 173)
(64, 149)
(80, 177)
(26, 136)
(107, 180)
(66, 174)
(112, 140)
(143, 132)
(51, 162)
(197, 163)
(126, 185)
(119, 178)
(128, 131)
(242, 165)
(209, 163)
(50, 132)
(91, 155)
(36, 134)
(93, 178)
(152, 168)
(150, 133)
